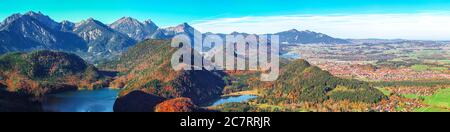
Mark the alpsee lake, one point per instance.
(102, 100)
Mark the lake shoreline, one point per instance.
(85, 100)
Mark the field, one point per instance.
(439, 102)
(422, 67)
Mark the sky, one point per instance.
(389, 19)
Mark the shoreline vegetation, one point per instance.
(248, 92)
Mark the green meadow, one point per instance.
(439, 102)
(419, 67)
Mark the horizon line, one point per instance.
(195, 23)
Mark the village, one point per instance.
(418, 72)
(368, 72)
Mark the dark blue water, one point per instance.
(232, 99)
(101, 100)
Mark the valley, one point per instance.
(89, 66)
(399, 61)
(410, 72)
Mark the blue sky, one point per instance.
(202, 12)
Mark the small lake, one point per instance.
(232, 99)
(291, 55)
(101, 100)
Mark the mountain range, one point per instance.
(308, 37)
(95, 41)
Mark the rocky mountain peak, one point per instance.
(133, 28)
(182, 28)
(126, 20)
(293, 30)
(91, 22)
(149, 21)
(32, 13)
(44, 19)
(67, 26)
(9, 20)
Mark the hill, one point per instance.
(147, 67)
(178, 105)
(308, 37)
(42, 72)
(137, 101)
(299, 81)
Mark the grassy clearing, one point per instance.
(446, 62)
(431, 109)
(420, 67)
(440, 99)
(385, 91)
(427, 68)
(439, 102)
(411, 96)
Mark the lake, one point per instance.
(101, 100)
(232, 99)
(291, 55)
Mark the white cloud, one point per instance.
(423, 26)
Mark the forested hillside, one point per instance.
(41, 72)
(147, 67)
(299, 82)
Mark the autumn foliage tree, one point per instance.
(176, 105)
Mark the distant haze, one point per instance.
(418, 26)
(385, 19)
